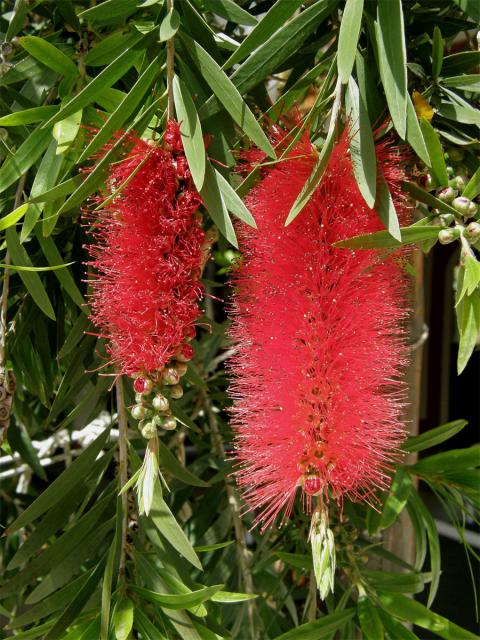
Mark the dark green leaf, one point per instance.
(466, 82)
(468, 322)
(397, 498)
(472, 189)
(396, 582)
(27, 116)
(25, 156)
(230, 11)
(110, 10)
(385, 208)
(392, 60)
(147, 629)
(215, 205)
(437, 52)
(49, 55)
(460, 62)
(348, 38)
(191, 131)
(370, 622)
(61, 485)
(415, 135)
(396, 630)
(434, 436)
(383, 239)
(362, 148)
(322, 627)
(177, 601)
(233, 202)
(168, 462)
(399, 606)
(427, 198)
(448, 461)
(62, 189)
(435, 151)
(19, 440)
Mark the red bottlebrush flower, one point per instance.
(147, 253)
(319, 337)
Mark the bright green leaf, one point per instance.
(170, 25)
(49, 55)
(348, 38)
(384, 240)
(123, 619)
(432, 437)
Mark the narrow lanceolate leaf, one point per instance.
(437, 52)
(384, 240)
(370, 622)
(123, 619)
(126, 107)
(27, 116)
(404, 608)
(323, 627)
(228, 95)
(170, 463)
(435, 151)
(169, 26)
(268, 25)
(178, 601)
(191, 131)
(215, 205)
(104, 80)
(59, 191)
(392, 60)
(65, 131)
(233, 202)
(278, 48)
(415, 135)
(472, 189)
(362, 146)
(468, 321)
(397, 498)
(25, 156)
(427, 198)
(434, 436)
(230, 10)
(385, 208)
(68, 479)
(12, 218)
(30, 279)
(49, 55)
(348, 38)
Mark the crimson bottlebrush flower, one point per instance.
(147, 255)
(319, 339)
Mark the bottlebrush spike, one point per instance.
(319, 337)
(147, 255)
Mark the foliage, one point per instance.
(191, 570)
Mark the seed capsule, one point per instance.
(160, 403)
(176, 391)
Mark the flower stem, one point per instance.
(123, 470)
(170, 68)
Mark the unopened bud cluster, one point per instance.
(153, 395)
(463, 223)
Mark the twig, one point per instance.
(123, 470)
(170, 67)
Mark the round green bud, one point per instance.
(473, 231)
(160, 403)
(138, 411)
(446, 236)
(170, 376)
(446, 219)
(149, 430)
(447, 195)
(176, 391)
(458, 182)
(472, 209)
(461, 205)
(169, 424)
(450, 170)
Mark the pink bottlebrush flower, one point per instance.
(319, 333)
(147, 255)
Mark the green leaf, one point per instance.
(392, 60)
(76, 605)
(26, 155)
(348, 38)
(61, 485)
(268, 25)
(383, 239)
(180, 600)
(20, 441)
(111, 47)
(30, 279)
(111, 569)
(227, 93)
(396, 582)
(170, 25)
(110, 10)
(362, 147)
(435, 151)
(297, 560)
(460, 62)
(472, 189)
(126, 107)
(123, 619)
(27, 116)
(228, 597)
(17, 19)
(165, 522)
(399, 606)
(437, 52)
(434, 436)
(448, 461)
(108, 77)
(230, 11)
(394, 629)
(322, 627)
(466, 82)
(468, 322)
(233, 202)
(415, 135)
(60, 190)
(215, 205)
(427, 198)
(65, 131)
(147, 629)
(385, 208)
(190, 130)
(397, 498)
(12, 218)
(270, 54)
(470, 279)
(370, 622)
(49, 55)
(169, 462)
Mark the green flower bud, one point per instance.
(473, 231)
(446, 236)
(450, 170)
(160, 403)
(169, 424)
(458, 182)
(447, 195)
(446, 219)
(456, 154)
(138, 411)
(472, 209)
(149, 430)
(461, 204)
(176, 391)
(170, 376)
